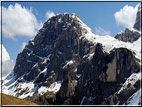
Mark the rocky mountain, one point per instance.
(128, 35)
(66, 63)
(133, 34)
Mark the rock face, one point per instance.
(109, 71)
(128, 36)
(138, 18)
(67, 64)
(57, 42)
(100, 77)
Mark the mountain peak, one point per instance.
(62, 18)
(128, 35)
(73, 15)
(60, 34)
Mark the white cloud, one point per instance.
(49, 14)
(22, 46)
(126, 16)
(19, 21)
(100, 31)
(7, 63)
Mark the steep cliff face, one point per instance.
(99, 77)
(67, 64)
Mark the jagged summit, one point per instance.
(73, 15)
(61, 22)
(128, 35)
(65, 17)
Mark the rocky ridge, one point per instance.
(128, 35)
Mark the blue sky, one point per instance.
(97, 15)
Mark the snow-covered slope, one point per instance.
(110, 42)
(10, 87)
(131, 80)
